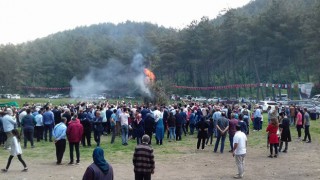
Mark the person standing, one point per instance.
(8, 125)
(160, 129)
(48, 122)
(28, 122)
(113, 120)
(39, 126)
(143, 160)
(285, 132)
(257, 118)
(232, 130)
(139, 130)
(222, 128)
(172, 126)
(100, 169)
(97, 127)
(149, 125)
(59, 134)
(202, 127)
(239, 150)
(306, 125)
(15, 151)
(273, 137)
(86, 124)
(124, 121)
(299, 124)
(74, 134)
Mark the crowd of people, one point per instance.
(74, 123)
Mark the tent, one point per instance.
(8, 104)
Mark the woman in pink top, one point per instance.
(299, 123)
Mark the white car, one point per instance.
(15, 96)
(214, 99)
(265, 104)
(316, 97)
(200, 99)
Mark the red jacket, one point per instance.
(273, 137)
(74, 131)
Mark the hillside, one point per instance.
(265, 41)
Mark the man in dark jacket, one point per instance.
(28, 122)
(149, 126)
(143, 160)
(86, 128)
(74, 134)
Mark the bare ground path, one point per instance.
(301, 162)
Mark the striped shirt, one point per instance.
(143, 159)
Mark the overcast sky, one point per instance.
(25, 20)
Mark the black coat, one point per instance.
(285, 134)
(202, 129)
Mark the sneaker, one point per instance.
(25, 169)
(284, 151)
(275, 156)
(78, 163)
(237, 176)
(303, 140)
(308, 142)
(4, 170)
(270, 156)
(71, 163)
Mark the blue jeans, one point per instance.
(124, 134)
(215, 132)
(223, 138)
(192, 126)
(172, 131)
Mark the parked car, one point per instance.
(316, 97)
(187, 98)
(200, 99)
(213, 100)
(7, 96)
(15, 96)
(265, 104)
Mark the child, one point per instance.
(15, 151)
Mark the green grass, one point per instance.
(118, 153)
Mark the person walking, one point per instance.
(74, 134)
(222, 128)
(59, 134)
(285, 132)
(306, 125)
(100, 169)
(239, 151)
(143, 160)
(272, 130)
(15, 151)
(86, 124)
(28, 122)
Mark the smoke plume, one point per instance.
(114, 77)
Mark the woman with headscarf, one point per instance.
(100, 169)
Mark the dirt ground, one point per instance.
(301, 162)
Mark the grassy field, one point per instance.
(118, 153)
(121, 154)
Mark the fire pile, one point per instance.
(150, 77)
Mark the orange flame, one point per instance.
(149, 74)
